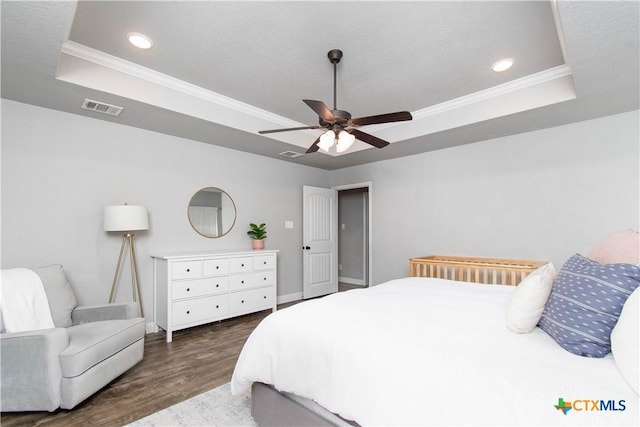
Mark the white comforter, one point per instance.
(427, 352)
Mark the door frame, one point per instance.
(369, 186)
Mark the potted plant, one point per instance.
(258, 233)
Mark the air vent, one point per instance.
(290, 154)
(101, 107)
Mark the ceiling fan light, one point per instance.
(345, 141)
(326, 140)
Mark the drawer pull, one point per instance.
(217, 267)
(242, 301)
(241, 265)
(264, 278)
(217, 306)
(188, 311)
(242, 281)
(264, 262)
(265, 297)
(188, 289)
(188, 270)
(217, 285)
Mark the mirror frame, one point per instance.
(235, 212)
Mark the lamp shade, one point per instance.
(125, 218)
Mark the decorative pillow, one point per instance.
(623, 246)
(529, 298)
(62, 299)
(625, 341)
(585, 304)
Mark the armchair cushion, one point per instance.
(91, 343)
(62, 299)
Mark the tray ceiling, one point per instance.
(219, 72)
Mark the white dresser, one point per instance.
(193, 288)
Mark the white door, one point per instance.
(319, 241)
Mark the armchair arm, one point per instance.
(94, 313)
(30, 371)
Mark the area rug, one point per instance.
(217, 407)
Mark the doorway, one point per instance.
(354, 236)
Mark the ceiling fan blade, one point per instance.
(321, 110)
(400, 116)
(261, 132)
(369, 139)
(314, 147)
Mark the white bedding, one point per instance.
(421, 351)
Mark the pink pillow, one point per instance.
(621, 247)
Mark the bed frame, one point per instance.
(269, 407)
(494, 271)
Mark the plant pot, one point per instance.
(257, 244)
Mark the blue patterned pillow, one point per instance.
(585, 303)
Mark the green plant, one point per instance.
(257, 232)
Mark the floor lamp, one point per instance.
(127, 218)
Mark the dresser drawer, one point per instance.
(215, 267)
(240, 265)
(186, 270)
(196, 310)
(196, 288)
(251, 280)
(255, 299)
(265, 262)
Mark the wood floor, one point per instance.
(198, 359)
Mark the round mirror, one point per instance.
(212, 212)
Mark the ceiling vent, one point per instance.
(290, 154)
(101, 107)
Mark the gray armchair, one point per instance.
(60, 367)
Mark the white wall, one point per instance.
(60, 169)
(539, 195)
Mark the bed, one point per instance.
(429, 349)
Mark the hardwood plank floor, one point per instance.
(198, 359)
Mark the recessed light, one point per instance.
(502, 65)
(140, 40)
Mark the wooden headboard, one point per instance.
(493, 271)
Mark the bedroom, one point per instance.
(540, 194)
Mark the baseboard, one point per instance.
(283, 299)
(351, 281)
(151, 328)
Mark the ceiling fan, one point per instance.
(340, 124)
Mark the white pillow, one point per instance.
(625, 341)
(528, 300)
